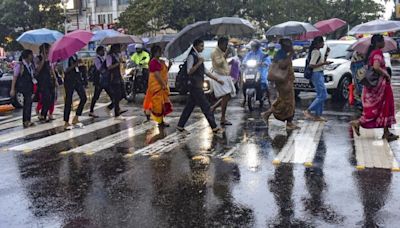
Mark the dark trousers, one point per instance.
(27, 109)
(47, 99)
(116, 94)
(70, 87)
(97, 91)
(197, 97)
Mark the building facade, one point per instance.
(94, 14)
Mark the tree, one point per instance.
(18, 16)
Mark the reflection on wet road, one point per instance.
(132, 173)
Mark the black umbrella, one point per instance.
(185, 38)
(162, 40)
(231, 26)
(291, 28)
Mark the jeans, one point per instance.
(70, 87)
(318, 81)
(197, 97)
(97, 91)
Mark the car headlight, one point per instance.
(332, 67)
(251, 63)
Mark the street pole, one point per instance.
(64, 2)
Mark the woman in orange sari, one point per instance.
(156, 102)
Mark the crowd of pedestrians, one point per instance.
(376, 101)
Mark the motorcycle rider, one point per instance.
(271, 52)
(141, 58)
(264, 62)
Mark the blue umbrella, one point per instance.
(39, 36)
(101, 34)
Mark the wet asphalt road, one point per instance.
(203, 181)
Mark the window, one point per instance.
(101, 19)
(110, 19)
(123, 2)
(103, 2)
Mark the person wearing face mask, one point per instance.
(22, 82)
(73, 82)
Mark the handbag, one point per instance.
(371, 77)
(277, 74)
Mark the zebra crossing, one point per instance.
(300, 148)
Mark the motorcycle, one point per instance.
(135, 81)
(253, 89)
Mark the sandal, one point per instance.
(181, 129)
(356, 126)
(217, 130)
(308, 115)
(265, 117)
(390, 137)
(292, 127)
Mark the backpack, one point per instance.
(93, 73)
(308, 71)
(182, 79)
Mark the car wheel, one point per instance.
(342, 92)
(18, 100)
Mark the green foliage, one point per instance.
(152, 15)
(17, 16)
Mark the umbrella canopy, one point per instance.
(363, 44)
(291, 28)
(233, 26)
(34, 38)
(324, 27)
(69, 44)
(121, 39)
(162, 40)
(101, 34)
(185, 38)
(374, 27)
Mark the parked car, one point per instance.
(209, 47)
(338, 75)
(6, 78)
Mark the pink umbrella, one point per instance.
(363, 44)
(325, 27)
(69, 44)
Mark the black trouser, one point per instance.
(71, 86)
(97, 91)
(197, 97)
(27, 109)
(116, 94)
(47, 99)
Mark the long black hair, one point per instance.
(375, 39)
(43, 47)
(317, 40)
(154, 50)
(115, 48)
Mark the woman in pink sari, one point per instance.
(378, 101)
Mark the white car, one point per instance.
(209, 47)
(338, 75)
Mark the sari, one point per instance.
(284, 105)
(157, 100)
(378, 102)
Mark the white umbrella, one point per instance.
(233, 26)
(291, 28)
(376, 26)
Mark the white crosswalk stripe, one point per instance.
(17, 123)
(170, 142)
(67, 135)
(112, 140)
(301, 145)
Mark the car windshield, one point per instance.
(206, 55)
(338, 51)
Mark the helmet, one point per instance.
(139, 46)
